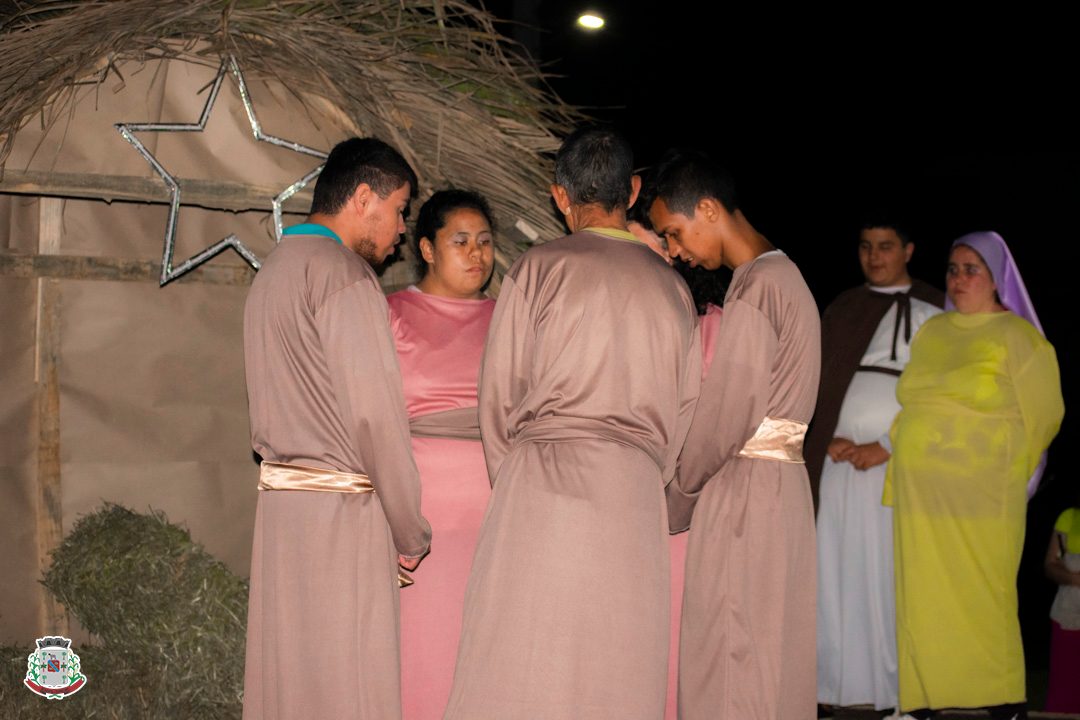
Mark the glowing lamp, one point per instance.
(590, 21)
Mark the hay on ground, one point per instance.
(170, 617)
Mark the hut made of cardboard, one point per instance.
(116, 388)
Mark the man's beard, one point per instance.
(367, 250)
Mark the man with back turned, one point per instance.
(587, 388)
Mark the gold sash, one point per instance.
(776, 439)
(283, 476)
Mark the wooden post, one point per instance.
(50, 529)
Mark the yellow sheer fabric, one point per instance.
(1068, 523)
(981, 399)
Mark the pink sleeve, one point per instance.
(710, 327)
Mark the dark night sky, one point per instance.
(959, 129)
(958, 123)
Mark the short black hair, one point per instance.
(685, 177)
(885, 220)
(358, 161)
(595, 164)
(433, 214)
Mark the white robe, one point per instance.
(856, 616)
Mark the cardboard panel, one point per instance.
(153, 408)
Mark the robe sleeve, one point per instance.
(504, 373)
(363, 367)
(690, 387)
(732, 403)
(1036, 380)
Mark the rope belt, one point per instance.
(884, 370)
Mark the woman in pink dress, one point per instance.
(439, 328)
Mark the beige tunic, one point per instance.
(747, 647)
(588, 384)
(324, 391)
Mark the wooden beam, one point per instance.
(50, 528)
(50, 521)
(50, 225)
(75, 267)
(213, 194)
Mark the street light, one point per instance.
(590, 21)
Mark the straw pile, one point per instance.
(171, 620)
(432, 77)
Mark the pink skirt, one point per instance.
(454, 494)
(678, 565)
(1063, 695)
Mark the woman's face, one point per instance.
(461, 256)
(969, 283)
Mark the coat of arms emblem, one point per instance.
(53, 671)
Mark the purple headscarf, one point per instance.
(1010, 286)
(1013, 294)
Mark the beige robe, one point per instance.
(324, 391)
(747, 643)
(587, 387)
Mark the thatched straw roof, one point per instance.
(433, 77)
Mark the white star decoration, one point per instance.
(127, 130)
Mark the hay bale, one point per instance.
(169, 614)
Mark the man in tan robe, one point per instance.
(747, 647)
(587, 388)
(339, 500)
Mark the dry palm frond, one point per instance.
(433, 77)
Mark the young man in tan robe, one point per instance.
(339, 500)
(587, 388)
(747, 643)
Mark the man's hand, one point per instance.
(863, 457)
(868, 455)
(839, 448)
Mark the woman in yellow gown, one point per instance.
(980, 403)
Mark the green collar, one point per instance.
(311, 229)
(613, 233)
